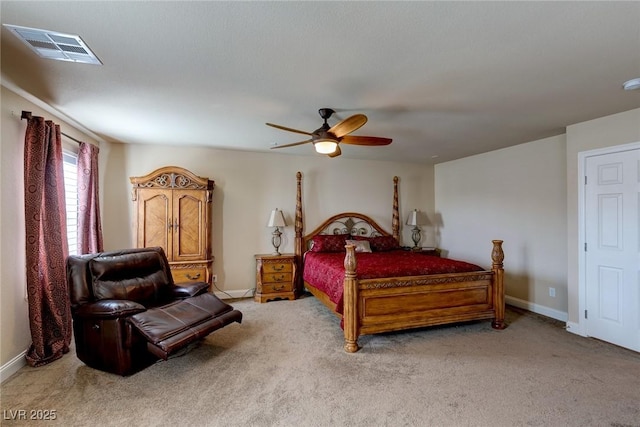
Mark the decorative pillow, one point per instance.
(361, 245)
(383, 243)
(329, 243)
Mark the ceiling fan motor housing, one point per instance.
(325, 113)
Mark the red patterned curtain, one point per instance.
(89, 225)
(46, 243)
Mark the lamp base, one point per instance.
(276, 240)
(415, 236)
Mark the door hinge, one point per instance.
(585, 314)
(585, 246)
(585, 180)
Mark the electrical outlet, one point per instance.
(214, 278)
(552, 292)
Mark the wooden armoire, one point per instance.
(172, 208)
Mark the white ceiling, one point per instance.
(445, 79)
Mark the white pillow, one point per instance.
(361, 245)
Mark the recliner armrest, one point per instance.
(188, 290)
(109, 308)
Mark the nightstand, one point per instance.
(431, 251)
(275, 277)
(425, 251)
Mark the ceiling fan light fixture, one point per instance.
(325, 146)
(632, 84)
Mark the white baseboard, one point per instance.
(242, 293)
(537, 308)
(12, 366)
(576, 328)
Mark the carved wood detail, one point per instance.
(422, 280)
(187, 266)
(395, 217)
(350, 296)
(299, 228)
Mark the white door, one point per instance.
(612, 221)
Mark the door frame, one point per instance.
(581, 327)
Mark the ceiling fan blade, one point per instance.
(365, 140)
(348, 125)
(288, 129)
(335, 153)
(293, 144)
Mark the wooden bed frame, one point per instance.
(396, 303)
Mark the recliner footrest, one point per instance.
(174, 326)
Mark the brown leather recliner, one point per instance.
(127, 312)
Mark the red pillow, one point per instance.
(381, 243)
(329, 243)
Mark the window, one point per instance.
(70, 167)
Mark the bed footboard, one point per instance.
(383, 305)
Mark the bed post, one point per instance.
(395, 220)
(298, 239)
(497, 255)
(350, 301)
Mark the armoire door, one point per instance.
(189, 225)
(154, 219)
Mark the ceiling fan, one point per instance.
(326, 139)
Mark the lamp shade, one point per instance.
(276, 219)
(412, 219)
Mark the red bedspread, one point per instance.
(325, 270)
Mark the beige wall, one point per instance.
(526, 195)
(248, 186)
(516, 194)
(617, 129)
(15, 335)
(13, 306)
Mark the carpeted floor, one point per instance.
(284, 366)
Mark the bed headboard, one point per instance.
(352, 223)
(355, 224)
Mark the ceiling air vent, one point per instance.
(53, 45)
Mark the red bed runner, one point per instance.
(325, 270)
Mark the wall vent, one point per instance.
(54, 45)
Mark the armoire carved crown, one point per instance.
(172, 177)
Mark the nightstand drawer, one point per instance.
(270, 288)
(277, 267)
(276, 277)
